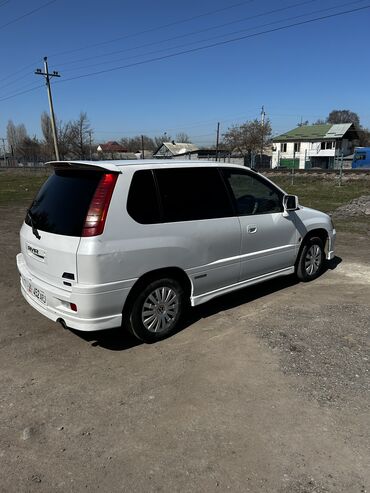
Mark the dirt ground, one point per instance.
(264, 390)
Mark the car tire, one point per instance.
(156, 310)
(311, 260)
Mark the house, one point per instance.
(170, 150)
(113, 149)
(314, 146)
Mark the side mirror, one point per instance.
(290, 203)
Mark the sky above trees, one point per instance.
(298, 72)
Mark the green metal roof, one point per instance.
(307, 132)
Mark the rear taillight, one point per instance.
(98, 210)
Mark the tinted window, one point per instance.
(192, 193)
(252, 194)
(62, 203)
(142, 203)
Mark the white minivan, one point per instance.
(132, 243)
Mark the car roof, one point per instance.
(120, 165)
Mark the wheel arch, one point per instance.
(171, 272)
(321, 233)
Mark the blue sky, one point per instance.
(304, 71)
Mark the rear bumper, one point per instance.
(98, 307)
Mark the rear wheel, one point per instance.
(156, 310)
(311, 260)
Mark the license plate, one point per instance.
(36, 293)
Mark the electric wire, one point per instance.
(20, 93)
(213, 45)
(153, 29)
(213, 37)
(27, 14)
(193, 50)
(191, 33)
(181, 21)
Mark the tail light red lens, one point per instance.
(98, 210)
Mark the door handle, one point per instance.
(251, 228)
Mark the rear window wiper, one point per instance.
(34, 229)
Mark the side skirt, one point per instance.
(202, 298)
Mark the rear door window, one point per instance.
(61, 205)
(189, 194)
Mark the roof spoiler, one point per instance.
(84, 165)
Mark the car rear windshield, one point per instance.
(62, 203)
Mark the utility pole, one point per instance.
(142, 147)
(217, 140)
(90, 144)
(263, 114)
(4, 149)
(49, 76)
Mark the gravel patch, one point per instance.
(356, 207)
(332, 357)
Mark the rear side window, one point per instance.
(142, 202)
(62, 203)
(189, 194)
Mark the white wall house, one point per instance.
(311, 146)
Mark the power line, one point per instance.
(14, 74)
(20, 93)
(157, 28)
(178, 46)
(27, 14)
(15, 82)
(126, 36)
(238, 21)
(213, 45)
(216, 37)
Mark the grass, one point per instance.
(325, 194)
(18, 187)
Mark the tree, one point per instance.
(134, 144)
(64, 135)
(320, 121)
(343, 116)
(79, 136)
(158, 141)
(303, 124)
(15, 134)
(182, 137)
(30, 149)
(248, 138)
(364, 134)
(48, 143)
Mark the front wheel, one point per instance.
(156, 311)
(311, 260)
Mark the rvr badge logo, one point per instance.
(36, 252)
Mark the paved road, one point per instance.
(263, 391)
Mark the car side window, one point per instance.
(252, 194)
(142, 201)
(189, 194)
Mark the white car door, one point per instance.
(269, 240)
